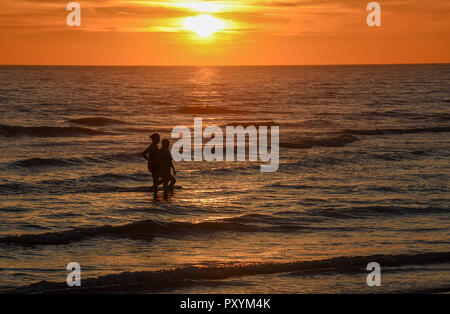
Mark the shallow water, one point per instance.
(364, 171)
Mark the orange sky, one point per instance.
(255, 32)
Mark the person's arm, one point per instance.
(145, 153)
(173, 168)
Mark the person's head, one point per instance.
(155, 138)
(165, 143)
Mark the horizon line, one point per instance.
(223, 65)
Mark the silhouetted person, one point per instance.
(154, 165)
(166, 164)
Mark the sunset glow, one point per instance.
(206, 7)
(224, 32)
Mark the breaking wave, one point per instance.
(145, 230)
(349, 136)
(47, 131)
(281, 222)
(58, 162)
(187, 275)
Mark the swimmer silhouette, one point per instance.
(151, 154)
(160, 163)
(166, 165)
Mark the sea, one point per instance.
(363, 177)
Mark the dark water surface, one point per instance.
(364, 171)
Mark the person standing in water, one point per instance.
(151, 154)
(166, 163)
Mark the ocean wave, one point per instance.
(60, 162)
(285, 222)
(316, 123)
(403, 114)
(48, 131)
(335, 141)
(17, 188)
(252, 123)
(97, 188)
(149, 229)
(172, 278)
(144, 230)
(375, 211)
(96, 121)
(82, 185)
(39, 162)
(113, 177)
(398, 156)
(145, 130)
(209, 110)
(291, 186)
(125, 157)
(437, 129)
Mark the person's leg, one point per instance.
(172, 182)
(156, 181)
(165, 181)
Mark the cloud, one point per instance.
(140, 11)
(291, 15)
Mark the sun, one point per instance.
(204, 25)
